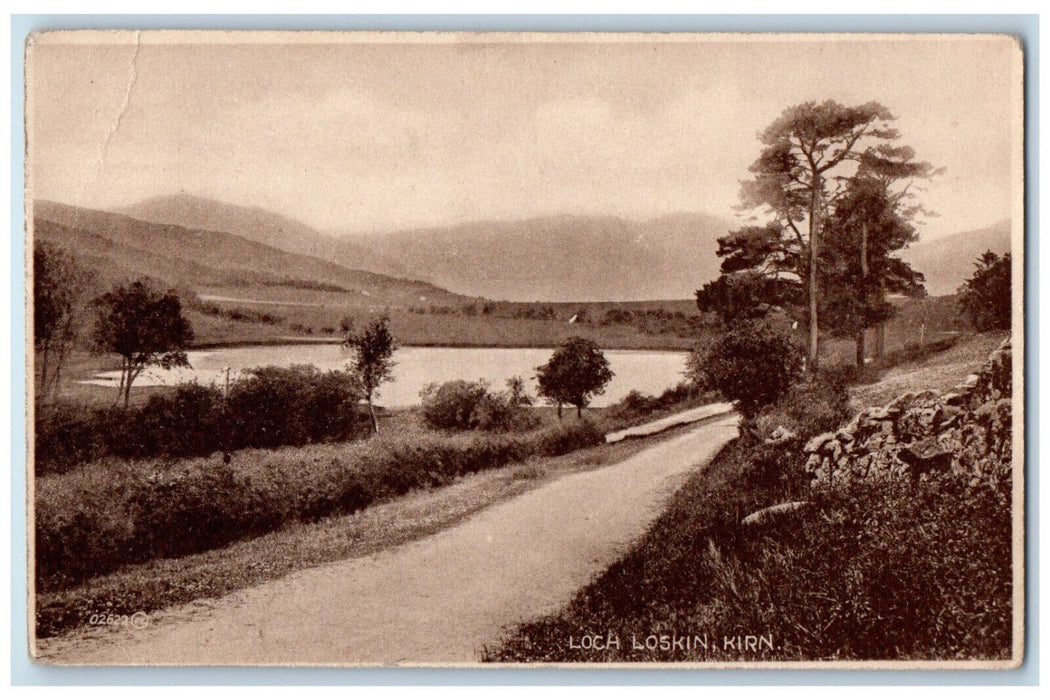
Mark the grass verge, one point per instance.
(162, 583)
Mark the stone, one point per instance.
(877, 414)
(815, 444)
(925, 456)
(772, 512)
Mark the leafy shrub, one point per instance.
(95, 519)
(269, 407)
(752, 364)
(451, 406)
(188, 422)
(274, 406)
(812, 406)
(462, 405)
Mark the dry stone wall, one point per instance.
(967, 430)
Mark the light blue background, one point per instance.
(24, 672)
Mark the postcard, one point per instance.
(453, 349)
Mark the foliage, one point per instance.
(371, 364)
(144, 326)
(798, 178)
(453, 405)
(636, 407)
(273, 406)
(59, 284)
(462, 405)
(101, 516)
(985, 296)
(869, 224)
(267, 407)
(816, 404)
(575, 372)
(753, 364)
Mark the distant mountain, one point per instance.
(120, 246)
(948, 261)
(561, 258)
(259, 225)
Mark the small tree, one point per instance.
(145, 327)
(985, 296)
(59, 283)
(577, 371)
(752, 364)
(371, 362)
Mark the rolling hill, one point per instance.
(948, 261)
(120, 247)
(561, 258)
(550, 259)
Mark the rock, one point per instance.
(781, 434)
(771, 513)
(971, 381)
(926, 456)
(878, 414)
(818, 442)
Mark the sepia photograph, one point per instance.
(514, 349)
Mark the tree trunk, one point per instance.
(864, 293)
(579, 411)
(372, 414)
(559, 410)
(814, 286)
(123, 380)
(127, 389)
(880, 334)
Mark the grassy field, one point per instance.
(900, 570)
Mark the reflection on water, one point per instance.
(650, 372)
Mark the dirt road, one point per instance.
(435, 600)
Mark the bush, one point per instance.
(274, 406)
(462, 405)
(752, 364)
(812, 406)
(451, 406)
(268, 407)
(93, 520)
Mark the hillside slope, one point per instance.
(559, 258)
(948, 261)
(259, 225)
(120, 246)
(563, 258)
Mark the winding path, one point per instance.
(437, 600)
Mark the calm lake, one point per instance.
(650, 372)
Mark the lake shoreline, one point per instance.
(290, 340)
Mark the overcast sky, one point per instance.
(375, 136)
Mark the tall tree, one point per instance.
(145, 327)
(371, 362)
(870, 223)
(59, 287)
(985, 296)
(800, 171)
(577, 371)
